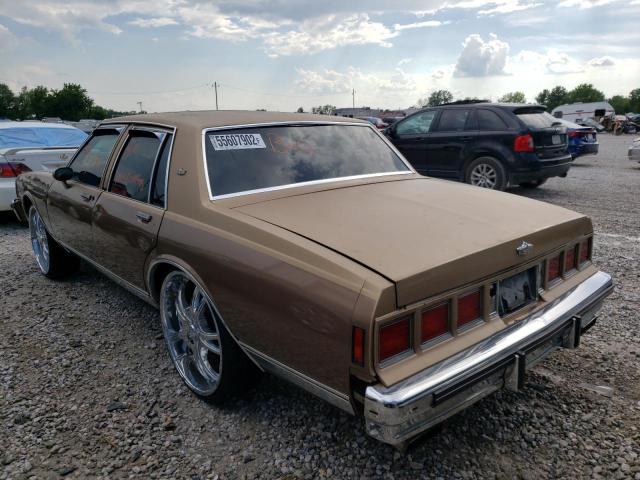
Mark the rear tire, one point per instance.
(203, 352)
(52, 259)
(486, 172)
(533, 183)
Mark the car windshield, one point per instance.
(537, 119)
(250, 159)
(22, 137)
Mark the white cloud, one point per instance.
(155, 22)
(328, 33)
(485, 7)
(585, 4)
(552, 62)
(480, 59)
(7, 39)
(599, 62)
(425, 24)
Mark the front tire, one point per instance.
(205, 355)
(486, 172)
(52, 259)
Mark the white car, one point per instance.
(634, 150)
(31, 146)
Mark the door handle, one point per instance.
(144, 217)
(87, 197)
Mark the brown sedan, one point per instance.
(308, 247)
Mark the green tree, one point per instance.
(38, 102)
(436, 98)
(300, 110)
(7, 101)
(557, 96)
(585, 92)
(634, 100)
(620, 104)
(513, 97)
(71, 102)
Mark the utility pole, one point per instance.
(353, 97)
(215, 87)
(140, 105)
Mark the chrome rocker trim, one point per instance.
(398, 413)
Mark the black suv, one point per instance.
(490, 145)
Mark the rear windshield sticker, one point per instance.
(237, 141)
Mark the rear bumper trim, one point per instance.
(397, 413)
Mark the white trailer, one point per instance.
(575, 112)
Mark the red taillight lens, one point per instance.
(435, 322)
(574, 133)
(469, 308)
(585, 251)
(395, 338)
(8, 170)
(553, 267)
(570, 259)
(357, 340)
(523, 143)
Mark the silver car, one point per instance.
(634, 150)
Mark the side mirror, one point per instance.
(63, 174)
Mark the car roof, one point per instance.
(224, 118)
(34, 124)
(510, 106)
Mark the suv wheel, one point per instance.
(486, 172)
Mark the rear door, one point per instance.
(411, 137)
(549, 136)
(128, 214)
(447, 143)
(70, 204)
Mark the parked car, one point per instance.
(391, 120)
(634, 150)
(377, 122)
(489, 145)
(582, 140)
(590, 122)
(579, 110)
(30, 146)
(307, 246)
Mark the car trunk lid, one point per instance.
(39, 159)
(549, 136)
(425, 235)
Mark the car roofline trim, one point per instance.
(410, 169)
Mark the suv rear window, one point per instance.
(453, 120)
(250, 159)
(537, 119)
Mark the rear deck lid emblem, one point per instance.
(524, 248)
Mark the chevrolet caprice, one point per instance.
(308, 247)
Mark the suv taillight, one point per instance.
(523, 143)
(9, 170)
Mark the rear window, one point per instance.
(453, 120)
(248, 159)
(488, 120)
(537, 119)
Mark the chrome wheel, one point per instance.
(190, 325)
(39, 240)
(484, 175)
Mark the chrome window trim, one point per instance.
(212, 197)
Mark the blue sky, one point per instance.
(281, 55)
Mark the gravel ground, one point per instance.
(88, 391)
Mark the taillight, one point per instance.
(585, 251)
(574, 133)
(523, 143)
(395, 338)
(469, 308)
(553, 268)
(435, 322)
(570, 259)
(357, 349)
(12, 169)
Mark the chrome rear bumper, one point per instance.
(397, 413)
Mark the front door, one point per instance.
(128, 214)
(70, 204)
(411, 137)
(448, 142)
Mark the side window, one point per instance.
(160, 174)
(557, 114)
(488, 120)
(132, 175)
(88, 166)
(416, 124)
(453, 120)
